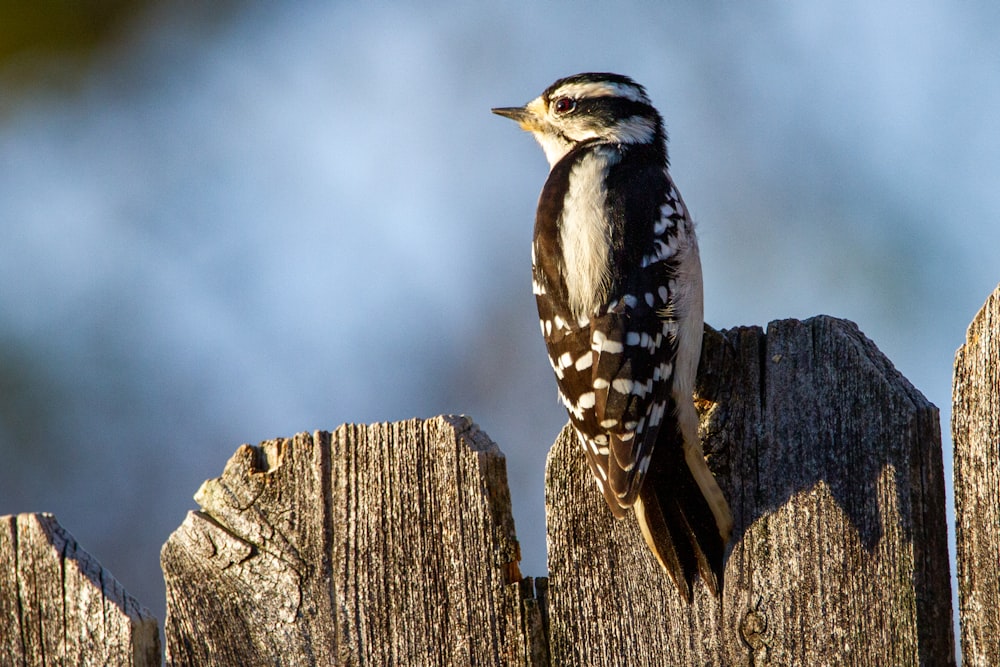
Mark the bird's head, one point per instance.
(607, 107)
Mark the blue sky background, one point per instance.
(222, 228)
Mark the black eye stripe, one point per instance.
(614, 107)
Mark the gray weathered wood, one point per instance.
(975, 427)
(58, 606)
(832, 464)
(394, 543)
(390, 544)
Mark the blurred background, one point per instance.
(221, 225)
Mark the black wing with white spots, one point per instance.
(614, 366)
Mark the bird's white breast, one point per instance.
(584, 231)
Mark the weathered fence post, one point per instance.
(975, 427)
(381, 545)
(832, 464)
(58, 606)
(394, 543)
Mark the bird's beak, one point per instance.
(519, 114)
(523, 116)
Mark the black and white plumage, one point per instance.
(617, 279)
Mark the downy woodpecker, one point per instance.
(617, 280)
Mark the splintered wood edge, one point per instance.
(223, 531)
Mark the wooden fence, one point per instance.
(394, 544)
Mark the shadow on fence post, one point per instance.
(832, 464)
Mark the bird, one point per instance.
(616, 275)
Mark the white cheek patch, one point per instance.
(634, 130)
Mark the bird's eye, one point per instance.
(564, 105)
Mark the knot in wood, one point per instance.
(753, 629)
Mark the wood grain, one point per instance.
(975, 428)
(58, 606)
(389, 544)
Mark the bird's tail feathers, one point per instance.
(683, 515)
